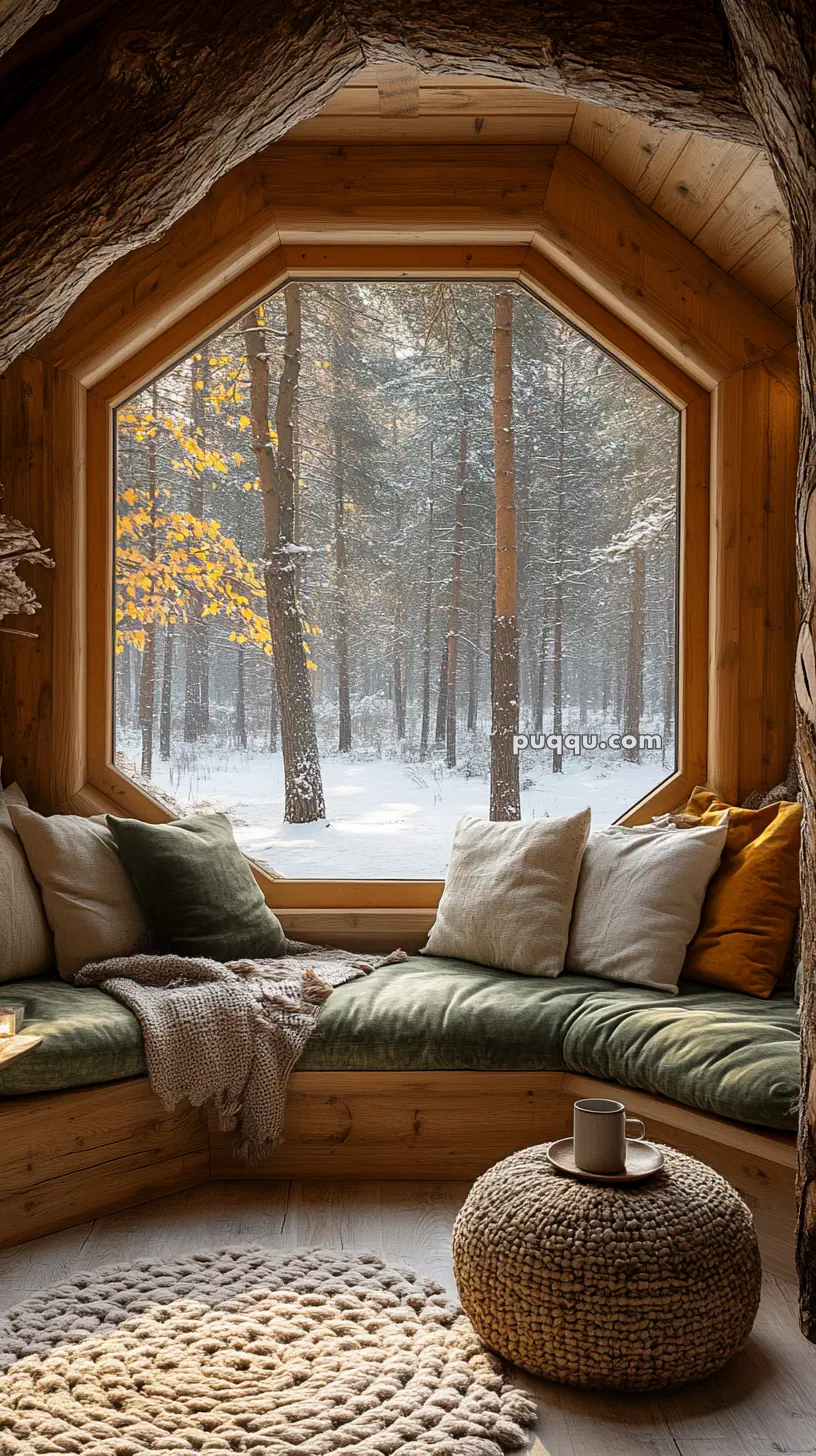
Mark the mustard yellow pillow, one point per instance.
(750, 909)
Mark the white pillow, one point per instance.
(640, 894)
(90, 900)
(26, 946)
(508, 893)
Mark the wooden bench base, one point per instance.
(69, 1156)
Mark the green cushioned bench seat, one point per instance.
(722, 1052)
(87, 1037)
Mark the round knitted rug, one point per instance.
(254, 1351)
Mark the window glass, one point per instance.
(387, 554)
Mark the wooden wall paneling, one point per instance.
(767, 268)
(67, 749)
(752, 208)
(639, 266)
(363, 194)
(781, 614)
(475, 130)
(694, 186)
(595, 128)
(670, 146)
(69, 1156)
(99, 585)
(213, 313)
(752, 574)
(786, 307)
(42, 469)
(406, 260)
(633, 151)
(376, 931)
(556, 288)
(446, 96)
(693, 625)
(725, 587)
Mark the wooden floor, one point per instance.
(762, 1404)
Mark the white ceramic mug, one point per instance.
(600, 1128)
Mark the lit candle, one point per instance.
(11, 1020)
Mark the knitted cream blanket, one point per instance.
(229, 1035)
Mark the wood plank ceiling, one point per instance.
(719, 195)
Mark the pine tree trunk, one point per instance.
(273, 710)
(124, 687)
(540, 681)
(196, 674)
(426, 641)
(399, 677)
(304, 801)
(633, 702)
(475, 653)
(147, 681)
(504, 775)
(240, 697)
(341, 577)
(668, 677)
(166, 712)
(442, 698)
(454, 606)
(558, 602)
(341, 598)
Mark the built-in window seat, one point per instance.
(721, 1052)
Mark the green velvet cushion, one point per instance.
(87, 1037)
(198, 889)
(720, 1051)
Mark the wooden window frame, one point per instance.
(317, 901)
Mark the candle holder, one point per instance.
(11, 1020)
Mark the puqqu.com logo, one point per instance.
(585, 742)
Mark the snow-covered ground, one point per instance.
(387, 819)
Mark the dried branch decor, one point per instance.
(18, 544)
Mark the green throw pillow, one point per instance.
(198, 889)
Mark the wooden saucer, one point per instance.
(642, 1160)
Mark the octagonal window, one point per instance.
(387, 554)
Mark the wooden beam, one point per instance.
(365, 194)
(645, 272)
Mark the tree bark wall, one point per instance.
(147, 112)
(774, 51)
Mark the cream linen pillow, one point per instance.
(89, 897)
(508, 893)
(26, 946)
(639, 899)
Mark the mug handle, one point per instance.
(632, 1122)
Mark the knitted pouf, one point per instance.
(632, 1286)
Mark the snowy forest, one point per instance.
(367, 535)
